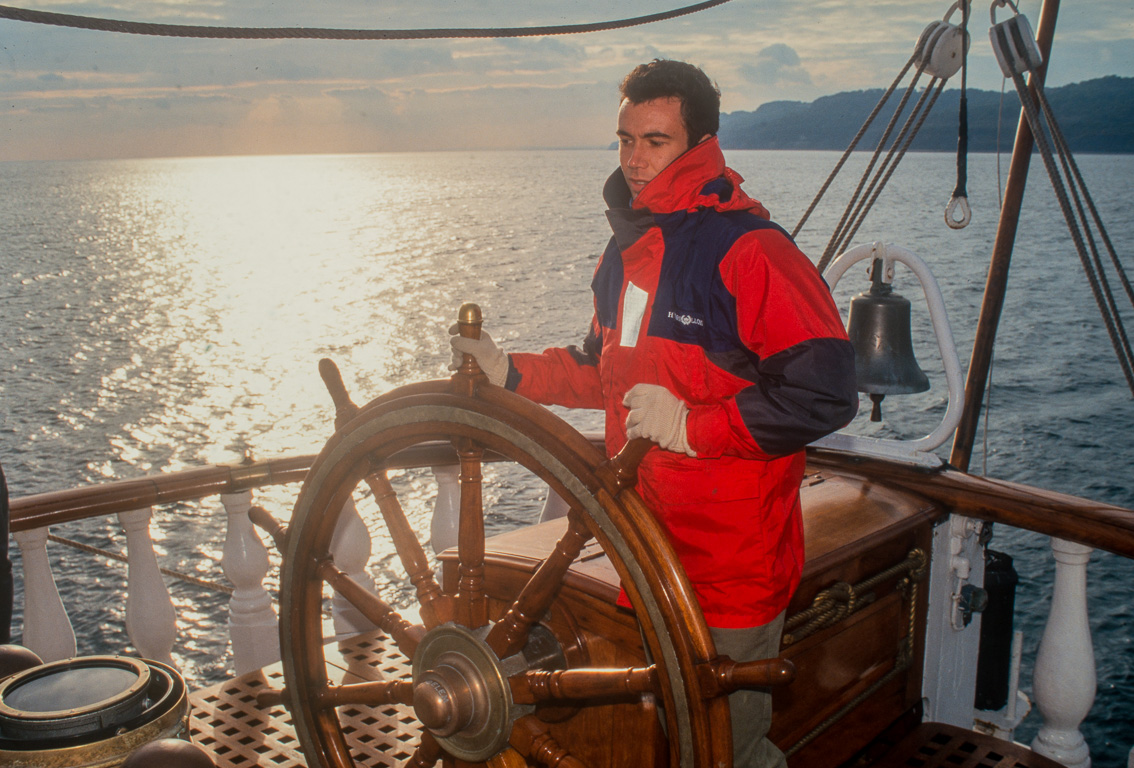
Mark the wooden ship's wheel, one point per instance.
(488, 683)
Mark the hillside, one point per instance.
(1096, 116)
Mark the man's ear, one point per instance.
(704, 138)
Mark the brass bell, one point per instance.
(879, 330)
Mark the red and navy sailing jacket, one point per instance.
(700, 293)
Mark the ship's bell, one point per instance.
(879, 329)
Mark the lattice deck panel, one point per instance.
(936, 745)
(226, 720)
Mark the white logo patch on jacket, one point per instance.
(633, 310)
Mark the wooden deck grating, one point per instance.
(936, 745)
(226, 720)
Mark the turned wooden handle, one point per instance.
(263, 519)
(345, 409)
(741, 675)
(623, 467)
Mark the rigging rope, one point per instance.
(932, 54)
(854, 142)
(315, 33)
(843, 235)
(1077, 223)
(960, 198)
(213, 586)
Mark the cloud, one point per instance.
(91, 94)
(776, 65)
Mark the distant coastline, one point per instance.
(1096, 116)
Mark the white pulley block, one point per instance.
(942, 46)
(1014, 45)
(928, 40)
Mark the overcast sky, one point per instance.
(80, 94)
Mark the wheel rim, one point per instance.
(498, 421)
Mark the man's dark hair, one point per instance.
(665, 78)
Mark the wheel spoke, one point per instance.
(436, 608)
(427, 754)
(372, 694)
(374, 608)
(575, 684)
(530, 737)
(724, 675)
(511, 632)
(448, 647)
(470, 544)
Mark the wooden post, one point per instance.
(994, 289)
(151, 621)
(1064, 682)
(252, 624)
(47, 630)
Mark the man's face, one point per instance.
(651, 135)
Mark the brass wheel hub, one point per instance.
(461, 693)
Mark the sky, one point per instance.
(75, 94)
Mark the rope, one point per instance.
(1108, 295)
(828, 254)
(854, 143)
(315, 33)
(906, 137)
(841, 238)
(1100, 287)
(960, 198)
(826, 609)
(914, 566)
(1071, 168)
(205, 583)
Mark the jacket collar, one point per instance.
(696, 179)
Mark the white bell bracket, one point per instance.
(1013, 42)
(908, 451)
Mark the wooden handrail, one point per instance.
(55, 507)
(1096, 524)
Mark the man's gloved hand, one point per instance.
(489, 357)
(657, 414)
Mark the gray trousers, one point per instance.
(752, 710)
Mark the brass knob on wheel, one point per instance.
(443, 701)
(432, 704)
(469, 317)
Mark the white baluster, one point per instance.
(47, 630)
(554, 507)
(252, 623)
(350, 548)
(446, 509)
(151, 621)
(1064, 682)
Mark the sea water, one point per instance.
(157, 315)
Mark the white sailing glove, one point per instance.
(657, 414)
(489, 357)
